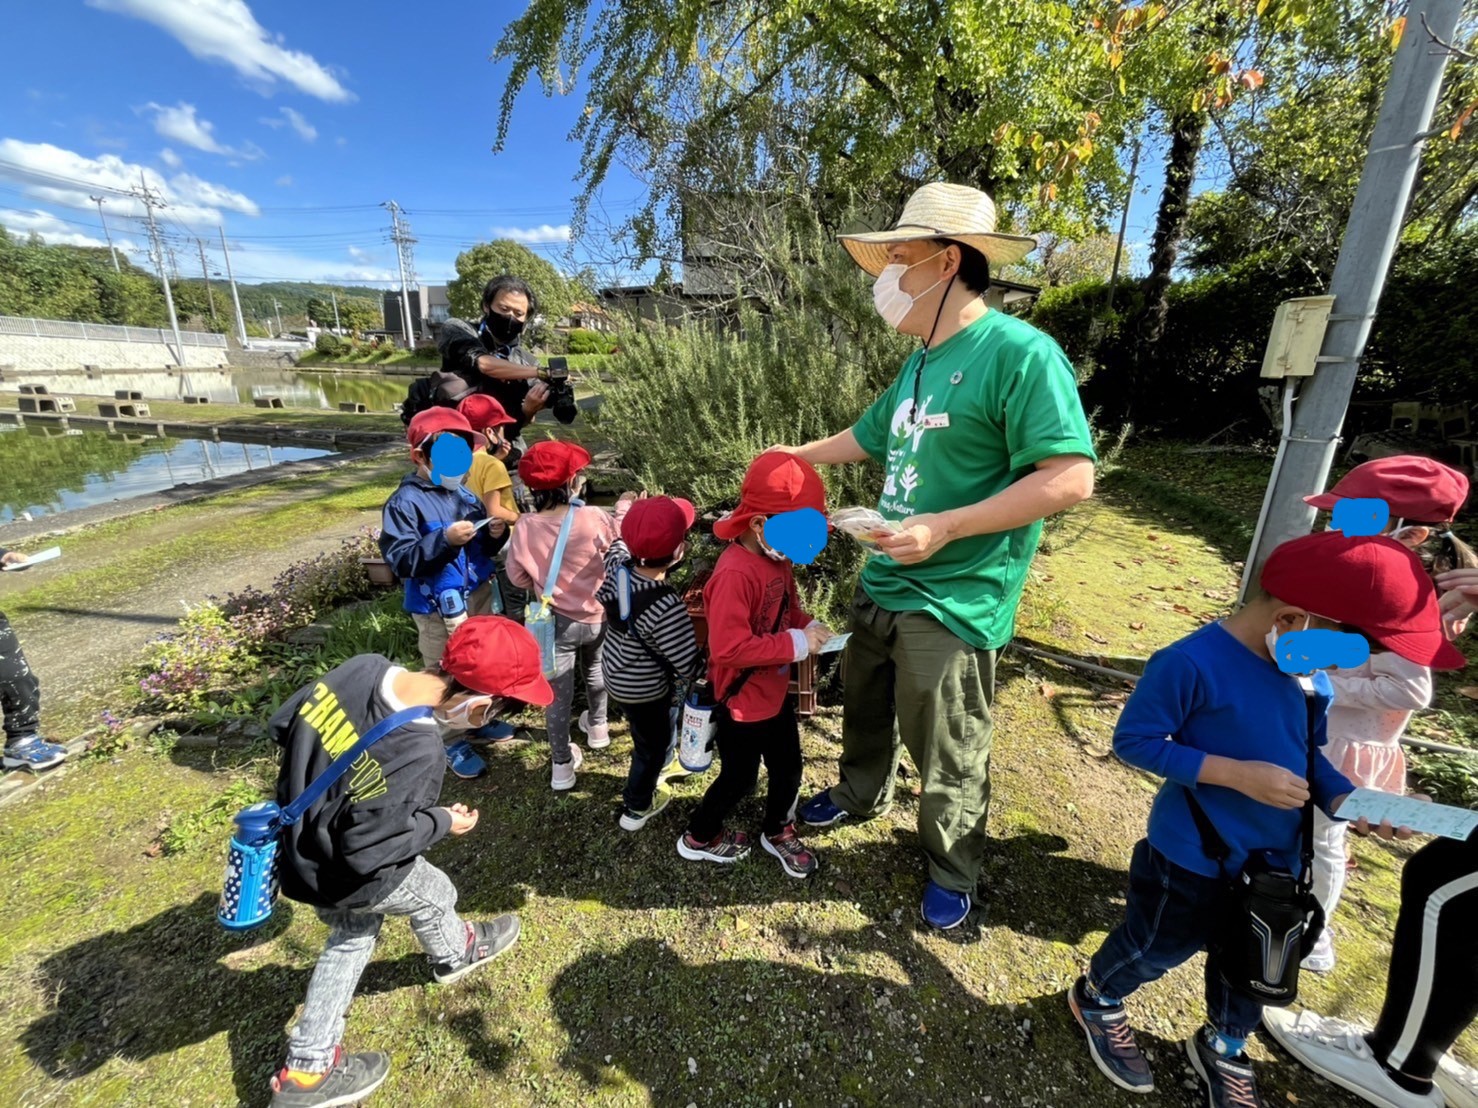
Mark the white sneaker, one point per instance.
(1321, 958)
(562, 779)
(1459, 1083)
(1337, 1051)
(597, 737)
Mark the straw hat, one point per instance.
(942, 211)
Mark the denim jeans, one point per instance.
(575, 645)
(429, 898)
(1168, 919)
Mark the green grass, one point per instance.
(117, 987)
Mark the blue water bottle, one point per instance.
(250, 887)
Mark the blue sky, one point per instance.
(288, 123)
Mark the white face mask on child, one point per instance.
(1274, 635)
(459, 716)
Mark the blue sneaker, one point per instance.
(495, 732)
(465, 762)
(943, 908)
(1110, 1041)
(819, 811)
(34, 753)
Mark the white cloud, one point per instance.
(285, 181)
(256, 262)
(342, 141)
(306, 131)
(51, 174)
(357, 254)
(170, 158)
(528, 235)
(55, 230)
(226, 31)
(181, 124)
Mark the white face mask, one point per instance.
(446, 481)
(459, 717)
(1274, 635)
(891, 302)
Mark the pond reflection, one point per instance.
(296, 389)
(47, 471)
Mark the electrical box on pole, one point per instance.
(1297, 337)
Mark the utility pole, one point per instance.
(98, 200)
(205, 272)
(151, 200)
(277, 308)
(1123, 227)
(235, 299)
(402, 239)
(1402, 127)
(335, 295)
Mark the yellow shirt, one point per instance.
(488, 475)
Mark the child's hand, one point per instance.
(459, 533)
(1271, 784)
(463, 820)
(497, 528)
(816, 636)
(12, 557)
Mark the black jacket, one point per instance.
(461, 344)
(358, 842)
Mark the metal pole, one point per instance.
(147, 197)
(399, 238)
(235, 299)
(277, 308)
(98, 200)
(1364, 260)
(335, 295)
(205, 272)
(1123, 227)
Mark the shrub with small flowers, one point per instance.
(205, 654)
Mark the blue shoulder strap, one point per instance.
(340, 765)
(559, 551)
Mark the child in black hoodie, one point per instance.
(356, 855)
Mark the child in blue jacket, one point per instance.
(430, 538)
(1228, 729)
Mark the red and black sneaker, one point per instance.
(726, 849)
(349, 1080)
(794, 858)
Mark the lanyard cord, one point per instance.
(918, 374)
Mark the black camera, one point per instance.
(561, 393)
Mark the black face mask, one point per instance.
(504, 328)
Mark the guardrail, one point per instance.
(102, 332)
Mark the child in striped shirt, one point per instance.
(649, 642)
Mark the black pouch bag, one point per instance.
(1269, 918)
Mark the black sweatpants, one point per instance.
(1432, 990)
(741, 748)
(651, 746)
(20, 691)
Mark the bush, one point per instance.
(330, 346)
(582, 341)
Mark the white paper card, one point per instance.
(1407, 811)
(835, 643)
(40, 556)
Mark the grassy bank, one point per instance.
(641, 979)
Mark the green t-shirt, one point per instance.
(995, 399)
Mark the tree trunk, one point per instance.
(1187, 133)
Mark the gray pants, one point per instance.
(575, 643)
(429, 898)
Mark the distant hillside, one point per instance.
(293, 296)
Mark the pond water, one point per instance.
(49, 471)
(296, 389)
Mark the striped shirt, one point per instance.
(633, 676)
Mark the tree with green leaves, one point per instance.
(75, 283)
(479, 265)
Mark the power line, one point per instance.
(151, 200)
(403, 242)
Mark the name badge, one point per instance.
(933, 421)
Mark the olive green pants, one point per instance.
(911, 682)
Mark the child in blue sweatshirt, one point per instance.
(436, 537)
(1218, 719)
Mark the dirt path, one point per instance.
(81, 639)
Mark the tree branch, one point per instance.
(1455, 51)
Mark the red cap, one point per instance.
(775, 482)
(483, 411)
(654, 527)
(1370, 582)
(497, 657)
(433, 421)
(1414, 487)
(551, 464)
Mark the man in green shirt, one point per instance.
(981, 437)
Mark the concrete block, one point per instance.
(268, 402)
(34, 390)
(127, 394)
(197, 400)
(122, 411)
(348, 406)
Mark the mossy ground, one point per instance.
(641, 978)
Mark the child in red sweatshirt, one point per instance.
(756, 632)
